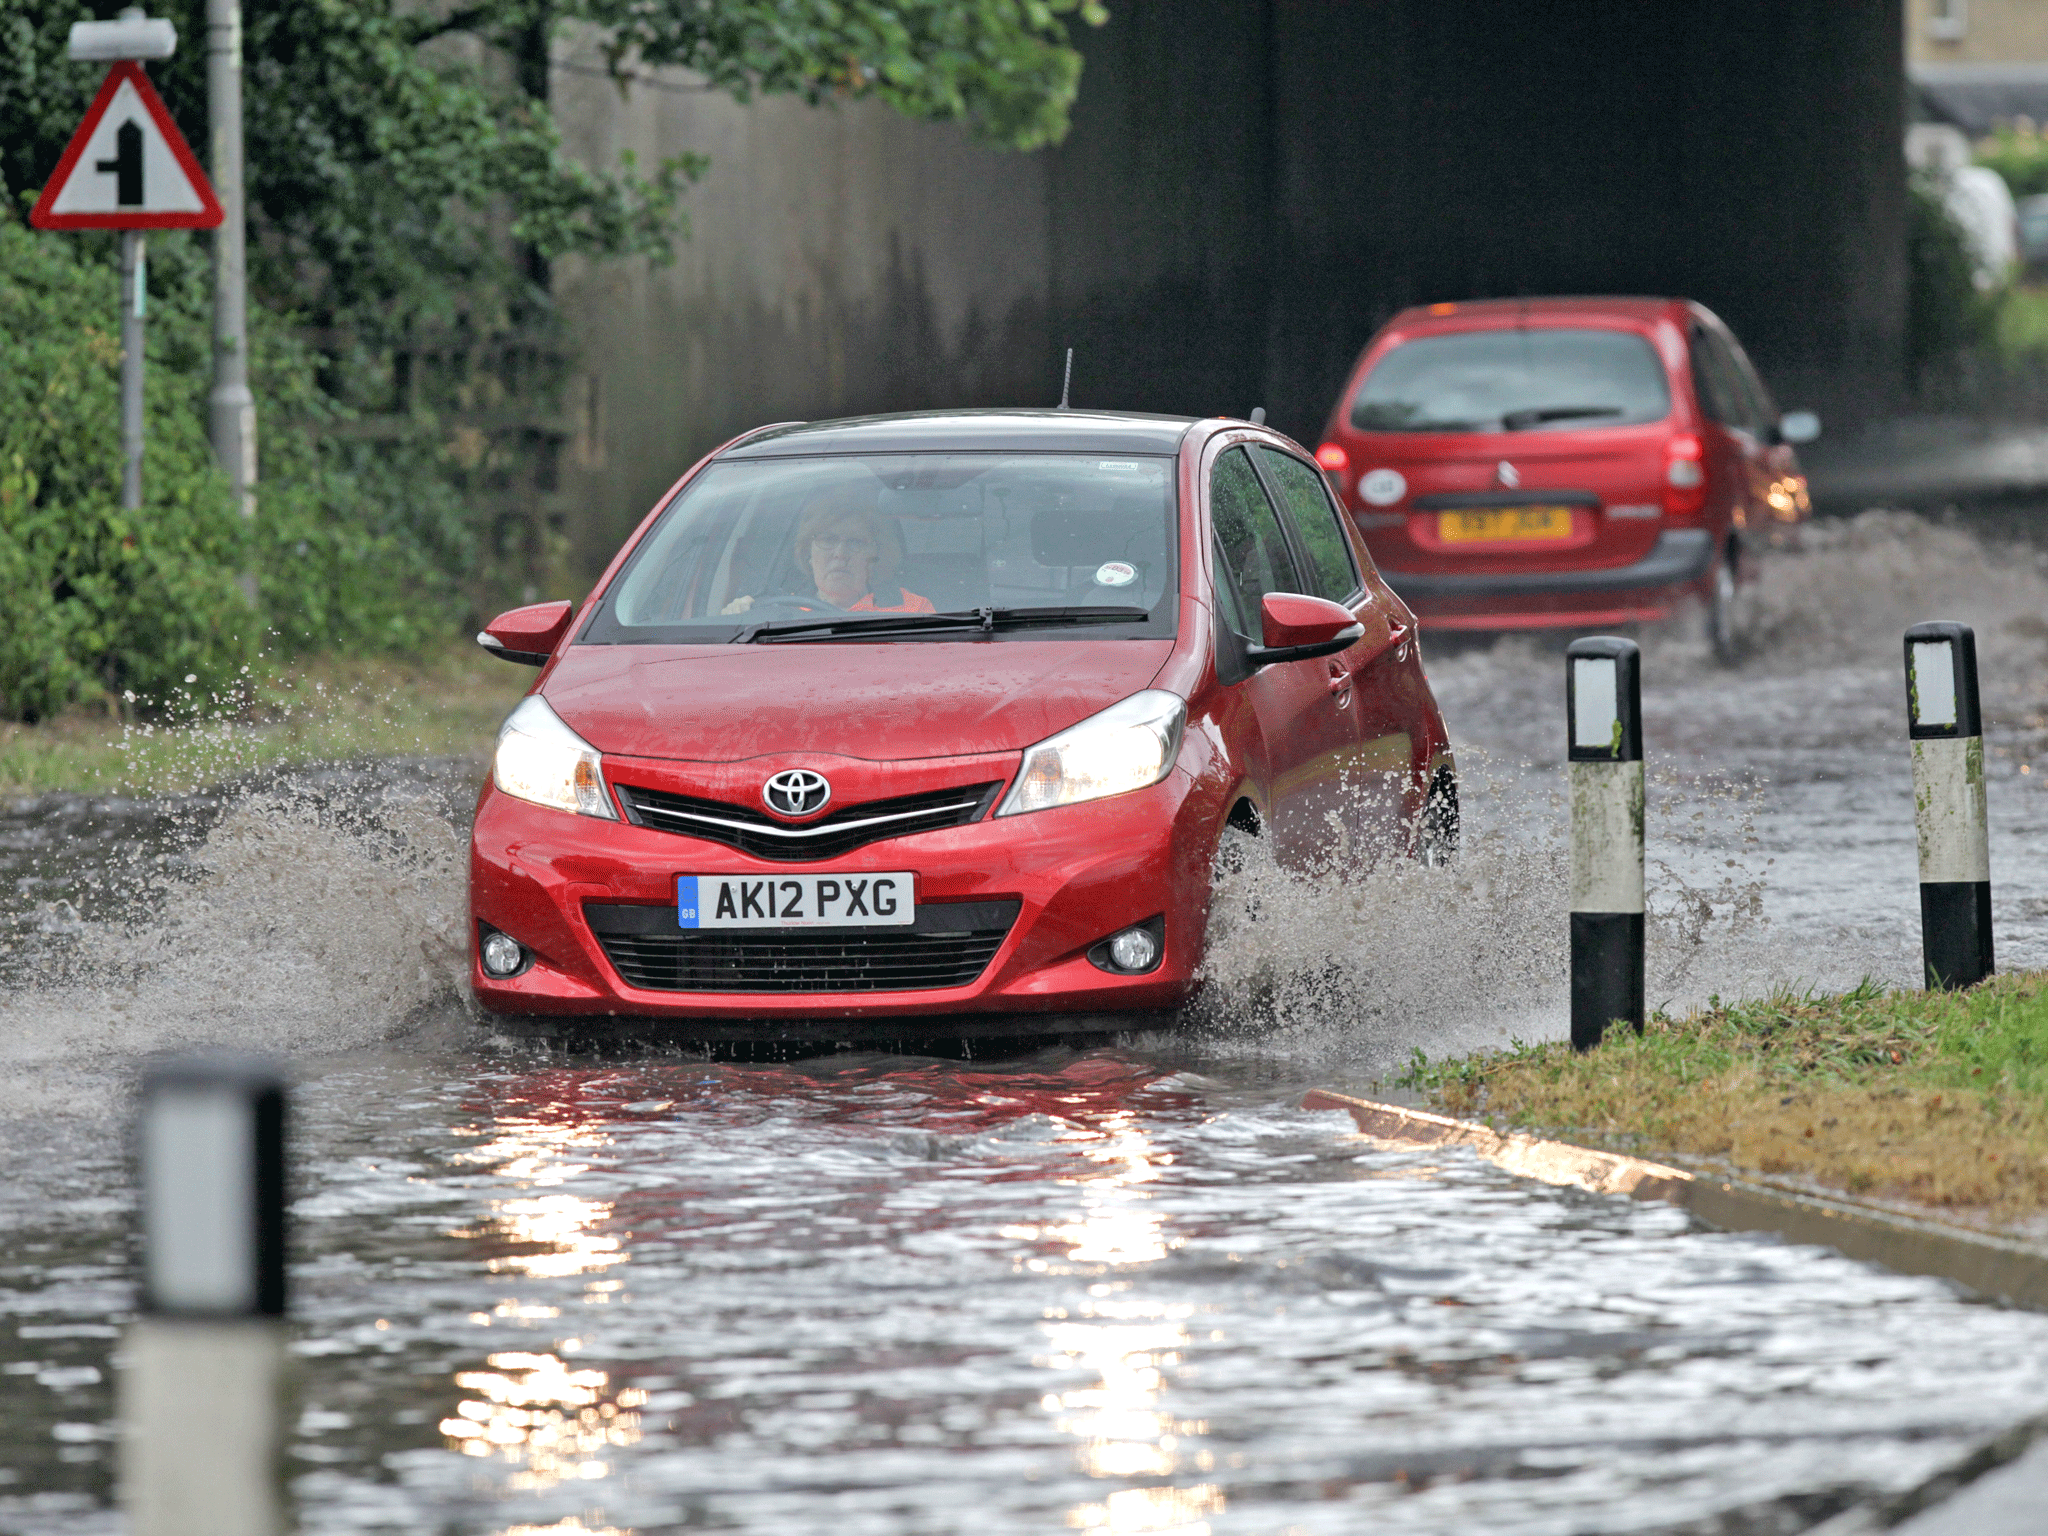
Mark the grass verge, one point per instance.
(329, 709)
(1940, 1098)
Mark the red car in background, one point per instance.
(1564, 463)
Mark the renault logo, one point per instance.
(796, 792)
(1506, 475)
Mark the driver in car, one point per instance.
(851, 551)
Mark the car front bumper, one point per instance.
(562, 884)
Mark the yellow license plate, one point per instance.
(1481, 525)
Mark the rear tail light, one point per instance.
(1333, 457)
(1685, 477)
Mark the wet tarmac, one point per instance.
(1128, 1289)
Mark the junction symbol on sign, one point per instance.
(127, 167)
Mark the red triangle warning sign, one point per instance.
(127, 167)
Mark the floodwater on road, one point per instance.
(1126, 1289)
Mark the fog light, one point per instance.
(502, 954)
(1134, 950)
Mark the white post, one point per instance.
(201, 1398)
(1604, 760)
(1949, 811)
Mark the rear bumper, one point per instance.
(1680, 557)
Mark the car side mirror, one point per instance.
(527, 635)
(1296, 627)
(1798, 427)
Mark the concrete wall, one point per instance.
(1744, 154)
(1249, 191)
(840, 261)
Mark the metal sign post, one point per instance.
(232, 408)
(127, 168)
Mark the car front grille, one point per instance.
(855, 826)
(950, 946)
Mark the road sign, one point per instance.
(127, 167)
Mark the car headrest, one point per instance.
(1088, 535)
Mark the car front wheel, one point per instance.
(1724, 625)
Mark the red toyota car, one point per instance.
(932, 726)
(1567, 463)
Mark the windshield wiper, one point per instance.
(1521, 421)
(987, 620)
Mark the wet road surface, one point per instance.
(1128, 1289)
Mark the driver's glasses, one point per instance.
(834, 544)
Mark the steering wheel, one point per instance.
(787, 603)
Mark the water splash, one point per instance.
(299, 922)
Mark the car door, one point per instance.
(1300, 730)
(1369, 707)
(1736, 447)
(1775, 481)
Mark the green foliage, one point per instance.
(405, 179)
(394, 173)
(1003, 67)
(2020, 155)
(100, 599)
(105, 603)
(1946, 315)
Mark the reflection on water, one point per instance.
(1127, 1344)
(554, 1423)
(898, 1298)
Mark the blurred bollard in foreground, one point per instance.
(201, 1401)
(1604, 719)
(1949, 812)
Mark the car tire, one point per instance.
(1437, 837)
(1724, 617)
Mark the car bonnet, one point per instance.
(881, 701)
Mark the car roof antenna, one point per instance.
(1067, 382)
(1258, 416)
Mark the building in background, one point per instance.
(1979, 65)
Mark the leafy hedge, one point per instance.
(1946, 315)
(350, 550)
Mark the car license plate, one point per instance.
(796, 901)
(1497, 524)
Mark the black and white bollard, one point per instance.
(1604, 714)
(201, 1397)
(1947, 731)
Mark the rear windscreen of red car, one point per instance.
(1513, 381)
(753, 540)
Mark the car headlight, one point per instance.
(1126, 747)
(542, 760)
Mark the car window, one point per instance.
(1763, 410)
(754, 540)
(1719, 382)
(1253, 557)
(1302, 491)
(1529, 379)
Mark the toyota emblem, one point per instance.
(796, 792)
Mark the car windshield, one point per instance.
(864, 547)
(1524, 380)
